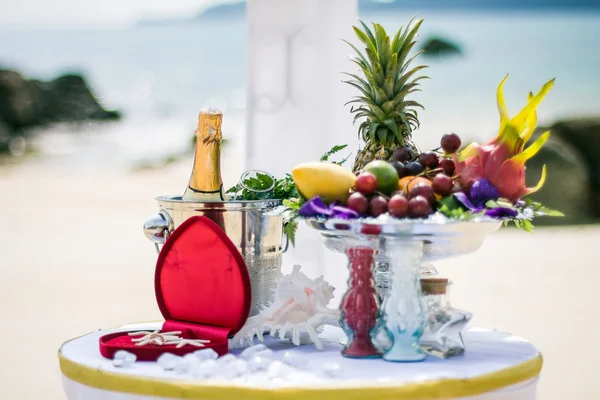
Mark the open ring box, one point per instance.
(202, 289)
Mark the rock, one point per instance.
(567, 188)
(584, 135)
(29, 103)
(437, 46)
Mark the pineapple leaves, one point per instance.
(402, 81)
(391, 125)
(411, 35)
(361, 57)
(382, 134)
(358, 86)
(395, 41)
(388, 87)
(372, 58)
(366, 37)
(391, 68)
(403, 35)
(368, 32)
(383, 44)
(387, 116)
(378, 74)
(373, 129)
(388, 107)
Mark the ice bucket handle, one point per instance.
(157, 228)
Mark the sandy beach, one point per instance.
(74, 260)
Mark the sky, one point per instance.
(77, 13)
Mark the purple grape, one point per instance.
(400, 169)
(450, 143)
(428, 160)
(401, 154)
(413, 168)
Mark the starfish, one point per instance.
(165, 338)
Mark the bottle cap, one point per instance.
(434, 286)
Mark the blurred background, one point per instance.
(98, 104)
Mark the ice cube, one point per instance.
(123, 359)
(277, 369)
(295, 360)
(204, 370)
(235, 368)
(331, 370)
(183, 366)
(206, 354)
(168, 361)
(259, 363)
(267, 353)
(252, 350)
(226, 360)
(191, 359)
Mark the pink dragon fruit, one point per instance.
(502, 160)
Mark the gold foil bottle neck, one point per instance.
(209, 125)
(206, 183)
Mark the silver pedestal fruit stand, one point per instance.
(255, 228)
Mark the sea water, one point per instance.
(160, 76)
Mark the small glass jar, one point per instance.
(443, 323)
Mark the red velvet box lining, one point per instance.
(202, 289)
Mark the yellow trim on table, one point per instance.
(187, 389)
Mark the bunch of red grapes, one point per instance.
(422, 181)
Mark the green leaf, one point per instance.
(233, 189)
(332, 151)
(290, 230)
(527, 226)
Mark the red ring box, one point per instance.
(202, 289)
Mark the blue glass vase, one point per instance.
(402, 310)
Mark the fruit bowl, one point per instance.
(442, 237)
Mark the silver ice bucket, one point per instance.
(255, 227)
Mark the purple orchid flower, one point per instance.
(316, 208)
(498, 212)
(343, 212)
(501, 212)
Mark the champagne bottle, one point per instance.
(205, 183)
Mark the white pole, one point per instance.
(295, 95)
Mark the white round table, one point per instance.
(495, 366)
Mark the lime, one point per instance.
(387, 177)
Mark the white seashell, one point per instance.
(298, 312)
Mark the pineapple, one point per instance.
(390, 117)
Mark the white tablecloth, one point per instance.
(495, 366)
